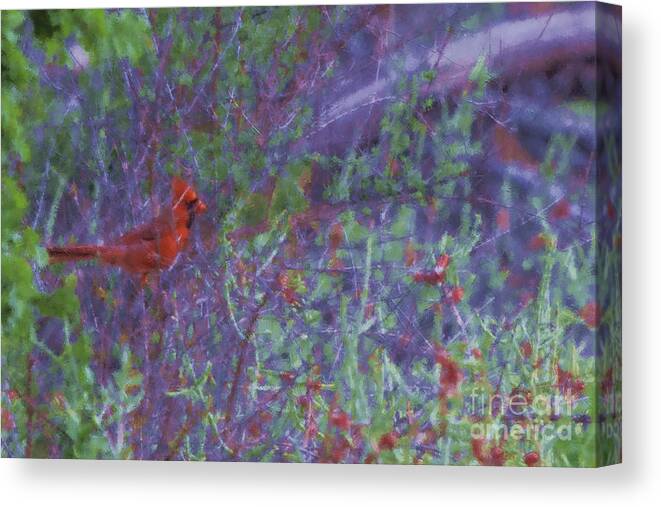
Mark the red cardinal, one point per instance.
(149, 247)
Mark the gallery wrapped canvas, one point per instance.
(324, 234)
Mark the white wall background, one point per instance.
(637, 482)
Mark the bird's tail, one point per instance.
(73, 253)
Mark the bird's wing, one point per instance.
(150, 231)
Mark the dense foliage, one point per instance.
(420, 285)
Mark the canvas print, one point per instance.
(378, 234)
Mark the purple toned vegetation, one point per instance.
(411, 252)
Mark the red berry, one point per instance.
(531, 459)
(451, 374)
(477, 353)
(255, 430)
(503, 219)
(568, 383)
(578, 386)
(526, 349)
(7, 420)
(537, 242)
(442, 263)
(340, 419)
(611, 210)
(289, 295)
(287, 376)
(477, 446)
(410, 255)
(313, 386)
(405, 339)
(607, 381)
(497, 456)
(340, 448)
(457, 294)
(429, 277)
(388, 441)
(590, 314)
(561, 210)
(336, 236)
(526, 298)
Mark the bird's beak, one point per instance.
(201, 207)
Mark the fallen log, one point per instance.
(350, 106)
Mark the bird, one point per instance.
(150, 247)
